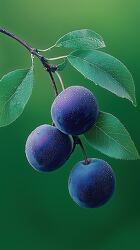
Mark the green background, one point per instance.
(36, 212)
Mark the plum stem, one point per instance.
(78, 141)
(84, 152)
(33, 51)
(60, 80)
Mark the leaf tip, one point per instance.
(134, 103)
(103, 44)
(132, 99)
(138, 156)
(135, 156)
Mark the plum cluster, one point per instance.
(74, 111)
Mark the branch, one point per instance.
(50, 68)
(24, 43)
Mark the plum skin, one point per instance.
(91, 185)
(74, 110)
(47, 148)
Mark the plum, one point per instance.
(47, 148)
(74, 110)
(91, 185)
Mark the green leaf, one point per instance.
(15, 90)
(81, 39)
(105, 71)
(110, 137)
(62, 65)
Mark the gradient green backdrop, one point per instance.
(36, 212)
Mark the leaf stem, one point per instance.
(60, 79)
(43, 50)
(35, 52)
(57, 58)
(32, 60)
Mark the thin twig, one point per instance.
(36, 53)
(24, 43)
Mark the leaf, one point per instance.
(62, 65)
(110, 137)
(15, 90)
(81, 39)
(106, 71)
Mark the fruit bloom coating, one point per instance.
(74, 110)
(91, 185)
(47, 148)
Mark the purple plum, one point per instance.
(47, 148)
(74, 110)
(91, 185)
